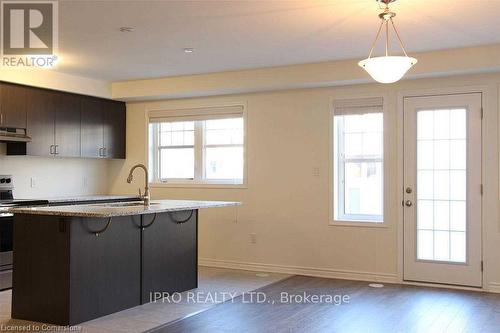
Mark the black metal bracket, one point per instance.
(150, 223)
(181, 221)
(98, 232)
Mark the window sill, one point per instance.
(198, 185)
(359, 224)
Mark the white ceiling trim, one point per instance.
(431, 64)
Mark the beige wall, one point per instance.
(55, 176)
(287, 207)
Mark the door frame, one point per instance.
(484, 90)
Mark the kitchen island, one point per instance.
(80, 262)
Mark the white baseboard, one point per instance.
(297, 270)
(494, 287)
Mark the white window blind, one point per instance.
(208, 113)
(358, 106)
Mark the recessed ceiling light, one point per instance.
(127, 29)
(188, 50)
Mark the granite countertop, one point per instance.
(103, 210)
(90, 198)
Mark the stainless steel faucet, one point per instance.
(130, 177)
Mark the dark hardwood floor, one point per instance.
(394, 308)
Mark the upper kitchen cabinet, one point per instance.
(40, 122)
(114, 129)
(53, 123)
(12, 105)
(63, 124)
(92, 128)
(67, 125)
(103, 128)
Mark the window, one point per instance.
(199, 146)
(358, 160)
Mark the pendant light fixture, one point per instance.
(387, 69)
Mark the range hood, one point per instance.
(14, 135)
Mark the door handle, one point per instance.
(408, 203)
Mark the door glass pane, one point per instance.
(442, 185)
(425, 214)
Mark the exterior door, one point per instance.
(442, 189)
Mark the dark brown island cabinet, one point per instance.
(72, 269)
(63, 124)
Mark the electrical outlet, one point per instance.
(315, 172)
(253, 238)
(33, 182)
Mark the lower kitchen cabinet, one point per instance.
(105, 270)
(169, 253)
(74, 269)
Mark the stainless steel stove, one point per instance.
(6, 228)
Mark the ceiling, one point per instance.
(232, 35)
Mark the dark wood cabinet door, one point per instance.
(114, 129)
(92, 133)
(12, 105)
(63, 124)
(67, 125)
(105, 270)
(40, 123)
(169, 253)
(40, 290)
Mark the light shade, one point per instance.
(387, 69)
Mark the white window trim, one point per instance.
(353, 222)
(215, 111)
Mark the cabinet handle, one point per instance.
(1, 118)
(150, 223)
(56, 152)
(100, 152)
(104, 152)
(181, 221)
(51, 149)
(98, 232)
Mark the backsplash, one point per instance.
(41, 177)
